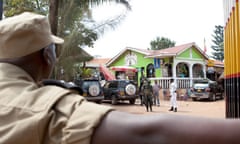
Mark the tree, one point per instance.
(78, 30)
(161, 43)
(70, 20)
(13, 7)
(217, 47)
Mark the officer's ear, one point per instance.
(49, 60)
(49, 54)
(46, 57)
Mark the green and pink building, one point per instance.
(184, 63)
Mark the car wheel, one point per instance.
(194, 99)
(132, 101)
(130, 89)
(114, 100)
(99, 102)
(221, 96)
(94, 90)
(213, 98)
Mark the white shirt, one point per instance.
(172, 87)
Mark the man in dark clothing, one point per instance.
(156, 89)
(148, 94)
(141, 89)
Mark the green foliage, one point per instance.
(79, 30)
(71, 24)
(13, 7)
(86, 72)
(75, 34)
(75, 25)
(161, 43)
(218, 43)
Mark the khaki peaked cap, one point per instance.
(24, 34)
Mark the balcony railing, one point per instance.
(182, 83)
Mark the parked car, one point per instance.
(116, 90)
(91, 89)
(206, 89)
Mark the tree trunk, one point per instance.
(53, 15)
(53, 19)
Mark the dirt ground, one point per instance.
(203, 108)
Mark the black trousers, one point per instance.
(148, 102)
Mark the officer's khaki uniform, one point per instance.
(30, 114)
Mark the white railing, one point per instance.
(163, 81)
(182, 83)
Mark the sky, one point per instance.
(182, 21)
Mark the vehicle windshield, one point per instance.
(201, 82)
(200, 85)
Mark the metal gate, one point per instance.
(232, 57)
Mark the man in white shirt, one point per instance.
(173, 99)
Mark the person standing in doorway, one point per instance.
(156, 89)
(173, 94)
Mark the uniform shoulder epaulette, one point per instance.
(62, 83)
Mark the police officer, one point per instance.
(31, 113)
(148, 94)
(142, 78)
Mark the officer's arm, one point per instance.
(124, 128)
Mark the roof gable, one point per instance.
(185, 53)
(177, 50)
(96, 62)
(168, 52)
(119, 55)
(196, 54)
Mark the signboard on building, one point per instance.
(157, 63)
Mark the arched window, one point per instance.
(182, 70)
(197, 71)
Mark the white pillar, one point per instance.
(191, 73)
(204, 71)
(174, 70)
